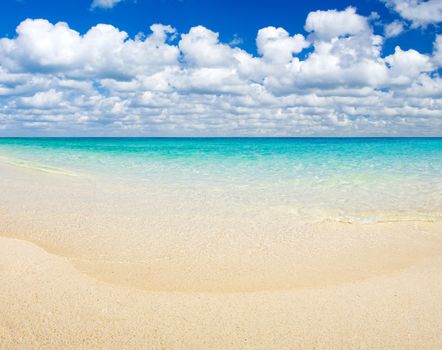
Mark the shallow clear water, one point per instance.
(396, 177)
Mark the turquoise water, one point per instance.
(403, 175)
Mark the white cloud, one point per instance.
(276, 45)
(103, 50)
(236, 40)
(334, 81)
(419, 12)
(437, 57)
(106, 4)
(43, 99)
(406, 66)
(201, 47)
(332, 23)
(393, 29)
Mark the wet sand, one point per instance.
(88, 265)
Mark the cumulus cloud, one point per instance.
(41, 46)
(106, 4)
(419, 12)
(333, 23)
(437, 57)
(331, 80)
(393, 29)
(43, 99)
(201, 47)
(276, 44)
(406, 66)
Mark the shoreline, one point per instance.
(173, 243)
(214, 278)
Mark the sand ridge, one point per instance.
(46, 303)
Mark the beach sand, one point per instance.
(86, 264)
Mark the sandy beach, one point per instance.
(221, 175)
(85, 264)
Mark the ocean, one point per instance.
(345, 179)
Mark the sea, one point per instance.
(346, 179)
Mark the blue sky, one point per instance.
(220, 67)
(228, 17)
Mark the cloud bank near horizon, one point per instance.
(331, 80)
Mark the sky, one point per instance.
(220, 68)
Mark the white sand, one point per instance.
(88, 265)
